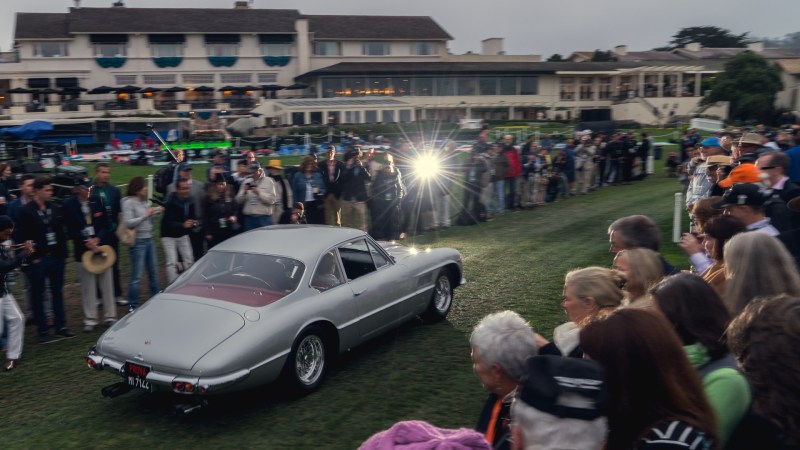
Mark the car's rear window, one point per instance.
(243, 278)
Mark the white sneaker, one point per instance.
(121, 301)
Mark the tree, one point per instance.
(603, 56)
(555, 58)
(790, 41)
(750, 83)
(708, 36)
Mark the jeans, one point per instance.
(48, 268)
(253, 222)
(499, 197)
(143, 252)
(172, 246)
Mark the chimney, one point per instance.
(756, 47)
(692, 46)
(241, 5)
(492, 46)
(77, 4)
(118, 4)
(621, 50)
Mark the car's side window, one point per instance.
(377, 256)
(356, 259)
(328, 274)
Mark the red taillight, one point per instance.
(182, 387)
(90, 362)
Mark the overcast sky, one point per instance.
(528, 26)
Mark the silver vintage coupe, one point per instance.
(276, 301)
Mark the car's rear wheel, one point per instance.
(308, 362)
(441, 298)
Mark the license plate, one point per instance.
(136, 375)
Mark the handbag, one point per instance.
(125, 235)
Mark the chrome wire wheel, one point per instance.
(309, 361)
(443, 294)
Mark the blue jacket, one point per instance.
(299, 185)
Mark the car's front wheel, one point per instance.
(307, 363)
(441, 299)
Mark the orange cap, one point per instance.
(745, 173)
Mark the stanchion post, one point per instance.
(150, 187)
(676, 218)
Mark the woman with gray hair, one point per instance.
(757, 265)
(501, 343)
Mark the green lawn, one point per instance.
(420, 371)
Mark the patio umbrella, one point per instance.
(20, 91)
(228, 88)
(150, 90)
(250, 87)
(101, 90)
(272, 87)
(72, 89)
(176, 89)
(296, 87)
(51, 91)
(203, 89)
(127, 89)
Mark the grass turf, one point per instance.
(419, 371)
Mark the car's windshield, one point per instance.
(244, 278)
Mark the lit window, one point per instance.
(375, 48)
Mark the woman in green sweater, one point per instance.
(700, 319)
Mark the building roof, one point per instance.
(207, 20)
(457, 68)
(790, 66)
(181, 20)
(653, 55)
(729, 53)
(41, 26)
(376, 27)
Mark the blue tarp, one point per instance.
(28, 131)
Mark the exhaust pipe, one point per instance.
(115, 390)
(188, 408)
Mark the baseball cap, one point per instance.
(742, 194)
(564, 387)
(744, 173)
(710, 142)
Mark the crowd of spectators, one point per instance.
(649, 358)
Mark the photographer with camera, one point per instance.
(180, 219)
(257, 195)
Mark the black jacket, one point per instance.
(354, 183)
(35, 224)
(76, 222)
(176, 212)
(332, 187)
(111, 202)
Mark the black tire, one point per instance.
(441, 298)
(308, 361)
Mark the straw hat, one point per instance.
(274, 164)
(97, 263)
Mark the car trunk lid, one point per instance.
(170, 333)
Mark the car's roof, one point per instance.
(301, 242)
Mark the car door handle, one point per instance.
(360, 292)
